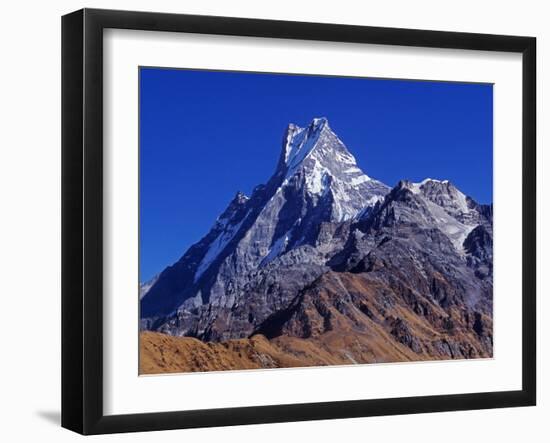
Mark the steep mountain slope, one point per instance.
(316, 181)
(325, 261)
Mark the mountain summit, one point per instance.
(322, 251)
(315, 159)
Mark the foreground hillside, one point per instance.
(329, 326)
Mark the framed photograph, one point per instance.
(269, 221)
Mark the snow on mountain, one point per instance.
(316, 169)
(443, 207)
(445, 194)
(317, 155)
(222, 240)
(144, 287)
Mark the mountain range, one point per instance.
(323, 264)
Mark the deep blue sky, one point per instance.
(206, 135)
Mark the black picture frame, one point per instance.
(82, 218)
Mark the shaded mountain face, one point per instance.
(322, 250)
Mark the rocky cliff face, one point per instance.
(322, 249)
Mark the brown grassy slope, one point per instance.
(160, 353)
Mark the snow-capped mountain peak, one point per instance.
(300, 142)
(445, 194)
(436, 204)
(317, 180)
(315, 159)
